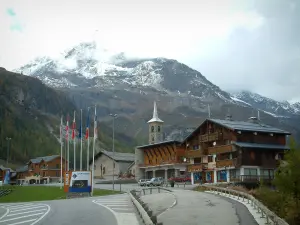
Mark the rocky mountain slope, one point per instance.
(128, 87)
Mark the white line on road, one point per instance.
(26, 212)
(17, 218)
(25, 221)
(19, 206)
(35, 207)
(30, 210)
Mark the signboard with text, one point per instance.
(80, 182)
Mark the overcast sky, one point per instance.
(236, 44)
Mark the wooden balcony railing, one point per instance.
(195, 167)
(194, 153)
(160, 164)
(220, 149)
(225, 163)
(209, 137)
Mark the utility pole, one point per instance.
(8, 139)
(113, 148)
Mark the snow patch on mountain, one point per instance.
(269, 105)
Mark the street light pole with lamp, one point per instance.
(8, 139)
(113, 148)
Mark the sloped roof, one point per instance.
(45, 158)
(248, 126)
(5, 168)
(117, 156)
(159, 143)
(265, 146)
(242, 126)
(22, 169)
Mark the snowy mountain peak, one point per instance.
(283, 108)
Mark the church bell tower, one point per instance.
(155, 127)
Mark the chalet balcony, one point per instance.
(194, 153)
(209, 137)
(226, 163)
(196, 167)
(220, 149)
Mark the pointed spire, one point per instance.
(155, 115)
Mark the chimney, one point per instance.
(228, 115)
(253, 119)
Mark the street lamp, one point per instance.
(113, 147)
(7, 154)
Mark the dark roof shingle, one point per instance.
(265, 146)
(248, 126)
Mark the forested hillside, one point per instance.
(30, 115)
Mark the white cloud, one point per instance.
(157, 28)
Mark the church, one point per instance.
(160, 158)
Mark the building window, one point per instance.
(152, 129)
(57, 166)
(210, 158)
(103, 169)
(56, 174)
(158, 129)
(152, 138)
(250, 172)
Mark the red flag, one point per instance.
(73, 127)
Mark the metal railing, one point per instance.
(271, 217)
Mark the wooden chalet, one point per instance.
(217, 151)
(164, 159)
(234, 151)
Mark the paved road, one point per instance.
(195, 208)
(105, 210)
(24, 213)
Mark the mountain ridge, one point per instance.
(129, 87)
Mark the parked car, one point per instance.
(143, 182)
(155, 181)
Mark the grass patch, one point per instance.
(42, 193)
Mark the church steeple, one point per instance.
(155, 127)
(155, 115)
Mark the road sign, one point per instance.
(78, 182)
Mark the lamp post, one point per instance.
(113, 148)
(7, 154)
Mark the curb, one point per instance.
(143, 213)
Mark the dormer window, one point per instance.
(152, 129)
(158, 129)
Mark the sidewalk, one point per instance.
(196, 208)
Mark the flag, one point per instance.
(73, 127)
(67, 129)
(95, 125)
(87, 125)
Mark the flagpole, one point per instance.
(88, 141)
(94, 143)
(61, 150)
(74, 137)
(81, 140)
(68, 146)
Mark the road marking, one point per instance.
(18, 210)
(121, 207)
(21, 213)
(17, 218)
(26, 221)
(26, 212)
